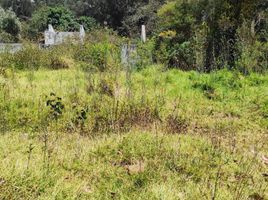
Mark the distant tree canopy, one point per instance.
(22, 8)
(213, 26)
(9, 26)
(122, 15)
(60, 17)
(116, 12)
(139, 14)
(187, 33)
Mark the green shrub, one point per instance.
(145, 53)
(102, 56)
(174, 54)
(30, 57)
(59, 16)
(101, 35)
(6, 37)
(10, 26)
(254, 57)
(192, 35)
(89, 23)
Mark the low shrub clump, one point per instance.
(32, 57)
(97, 53)
(101, 56)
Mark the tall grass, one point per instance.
(75, 124)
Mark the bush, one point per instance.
(145, 53)
(193, 35)
(60, 17)
(173, 54)
(10, 26)
(102, 55)
(89, 23)
(6, 37)
(254, 57)
(30, 57)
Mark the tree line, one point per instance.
(189, 34)
(117, 14)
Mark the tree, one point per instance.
(219, 21)
(22, 8)
(9, 26)
(142, 14)
(88, 22)
(60, 17)
(124, 16)
(118, 14)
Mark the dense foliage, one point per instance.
(202, 35)
(119, 14)
(9, 26)
(213, 34)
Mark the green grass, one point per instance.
(158, 135)
(79, 168)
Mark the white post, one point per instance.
(143, 33)
(82, 33)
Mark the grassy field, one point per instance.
(151, 134)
